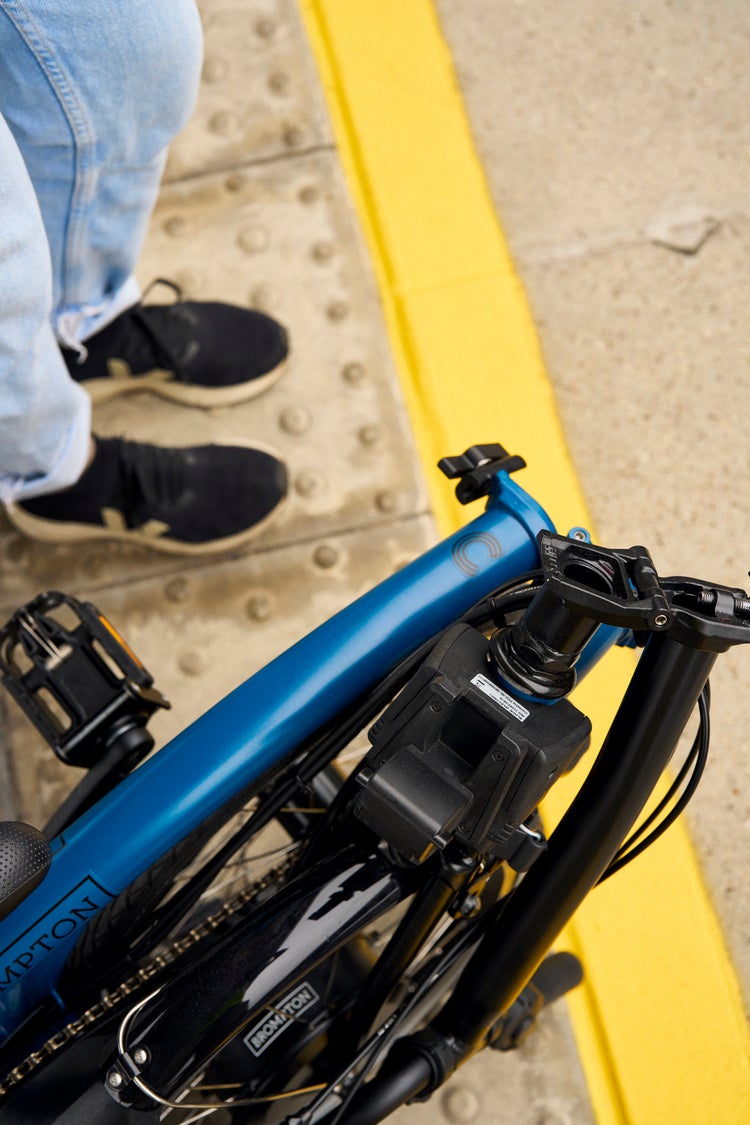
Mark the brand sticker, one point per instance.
(277, 1019)
(507, 702)
(65, 919)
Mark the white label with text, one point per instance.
(507, 702)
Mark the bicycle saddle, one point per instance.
(25, 856)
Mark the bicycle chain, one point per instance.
(172, 951)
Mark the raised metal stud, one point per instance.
(253, 239)
(295, 420)
(326, 556)
(177, 589)
(370, 435)
(337, 310)
(353, 373)
(214, 70)
(322, 251)
(258, 607)
(191, 663)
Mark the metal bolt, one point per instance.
(660, 620)
(114, 1079)
(140, 1055)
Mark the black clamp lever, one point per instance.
(477, 468)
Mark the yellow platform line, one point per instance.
(659, 1024)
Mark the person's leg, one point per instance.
(93, 94)
(44, 416)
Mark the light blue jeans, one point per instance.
(91, 94)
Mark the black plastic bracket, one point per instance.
(477, 467)
(618, 587)
(621, 587)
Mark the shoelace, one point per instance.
(165, 336)
(153, 477)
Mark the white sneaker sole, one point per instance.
(162, 383)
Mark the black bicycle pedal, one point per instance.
(75, 677)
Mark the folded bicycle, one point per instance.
(236, 928)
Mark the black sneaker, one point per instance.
(183, 501)
(200, 353)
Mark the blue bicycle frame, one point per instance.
(256, 727)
